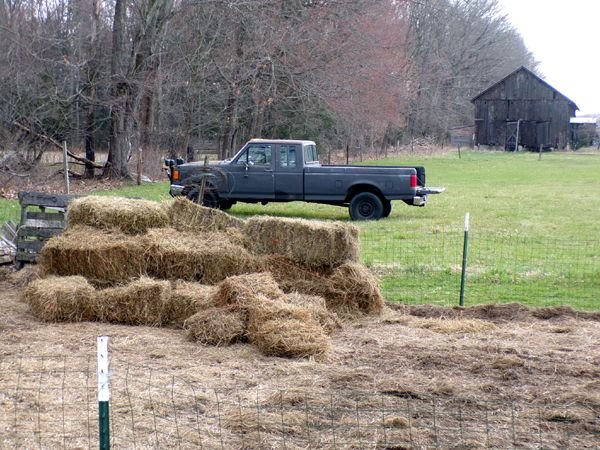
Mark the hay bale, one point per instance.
(142, 302)
(317, 308)
(290, 338)
(307, 242)
(351, 289)
(186, 215)
(216, 326)
(131, 216)
(261, 309)
(61, 299)
(103, 257)
(207, 258)
(244, 289)
(187, 299)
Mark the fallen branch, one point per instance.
(59, 146)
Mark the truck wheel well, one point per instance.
(357, 189)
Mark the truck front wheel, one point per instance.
(366, 206)
(210, 199)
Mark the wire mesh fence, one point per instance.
(426, 268)
(50, 402)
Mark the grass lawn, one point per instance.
(534, 236)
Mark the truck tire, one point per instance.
(387, 208)
(366, 206)
(210, 200)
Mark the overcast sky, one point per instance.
(564, 36)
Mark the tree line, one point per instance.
(120, 75)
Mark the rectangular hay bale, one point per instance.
(207, 258)
(131, 216)
(142, 302)
(308, 242)
(186, 215)
(61, 299)
(103, 257)
(188, 298)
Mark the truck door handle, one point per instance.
(268, 170)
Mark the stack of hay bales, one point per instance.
(276, 283)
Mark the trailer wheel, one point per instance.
(366, 206)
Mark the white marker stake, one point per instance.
(103, 393)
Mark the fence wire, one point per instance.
(426, 268)
(48, 403)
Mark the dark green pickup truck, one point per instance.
(266, 171)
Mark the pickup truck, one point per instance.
(266, 171)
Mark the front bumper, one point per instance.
(176, 190)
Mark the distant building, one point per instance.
(523, 110)
(584, 131)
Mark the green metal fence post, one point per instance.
(103, 394)
(464, 262)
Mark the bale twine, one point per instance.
(61, 299)
(243, 289)
(291, 338)
(187, 299)
(103, 258)
(207, 258)
(142, 302)
(352, 288)
(131, 216)
(186, 215)
(317, 308)
(307, 242)
(216, 326)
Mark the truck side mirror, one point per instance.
(180, 161)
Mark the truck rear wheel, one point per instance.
(366, 206)
(387, 208)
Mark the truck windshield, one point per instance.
(310, 154)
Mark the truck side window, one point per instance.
(256, 155)
(310, 154)
(287, 156)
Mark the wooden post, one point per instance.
(139, 167)
(540, 152)
(66, 167)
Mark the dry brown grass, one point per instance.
(130, 216)
(216, 326)
(440, 325)
(142, 302)
(207, 258)
(186, 215)
(61, 299)
(310, 243)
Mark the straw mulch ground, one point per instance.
(531, 373)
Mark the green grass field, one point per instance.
(534, 235)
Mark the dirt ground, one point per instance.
(417, 377)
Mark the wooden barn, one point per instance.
(523, 110)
